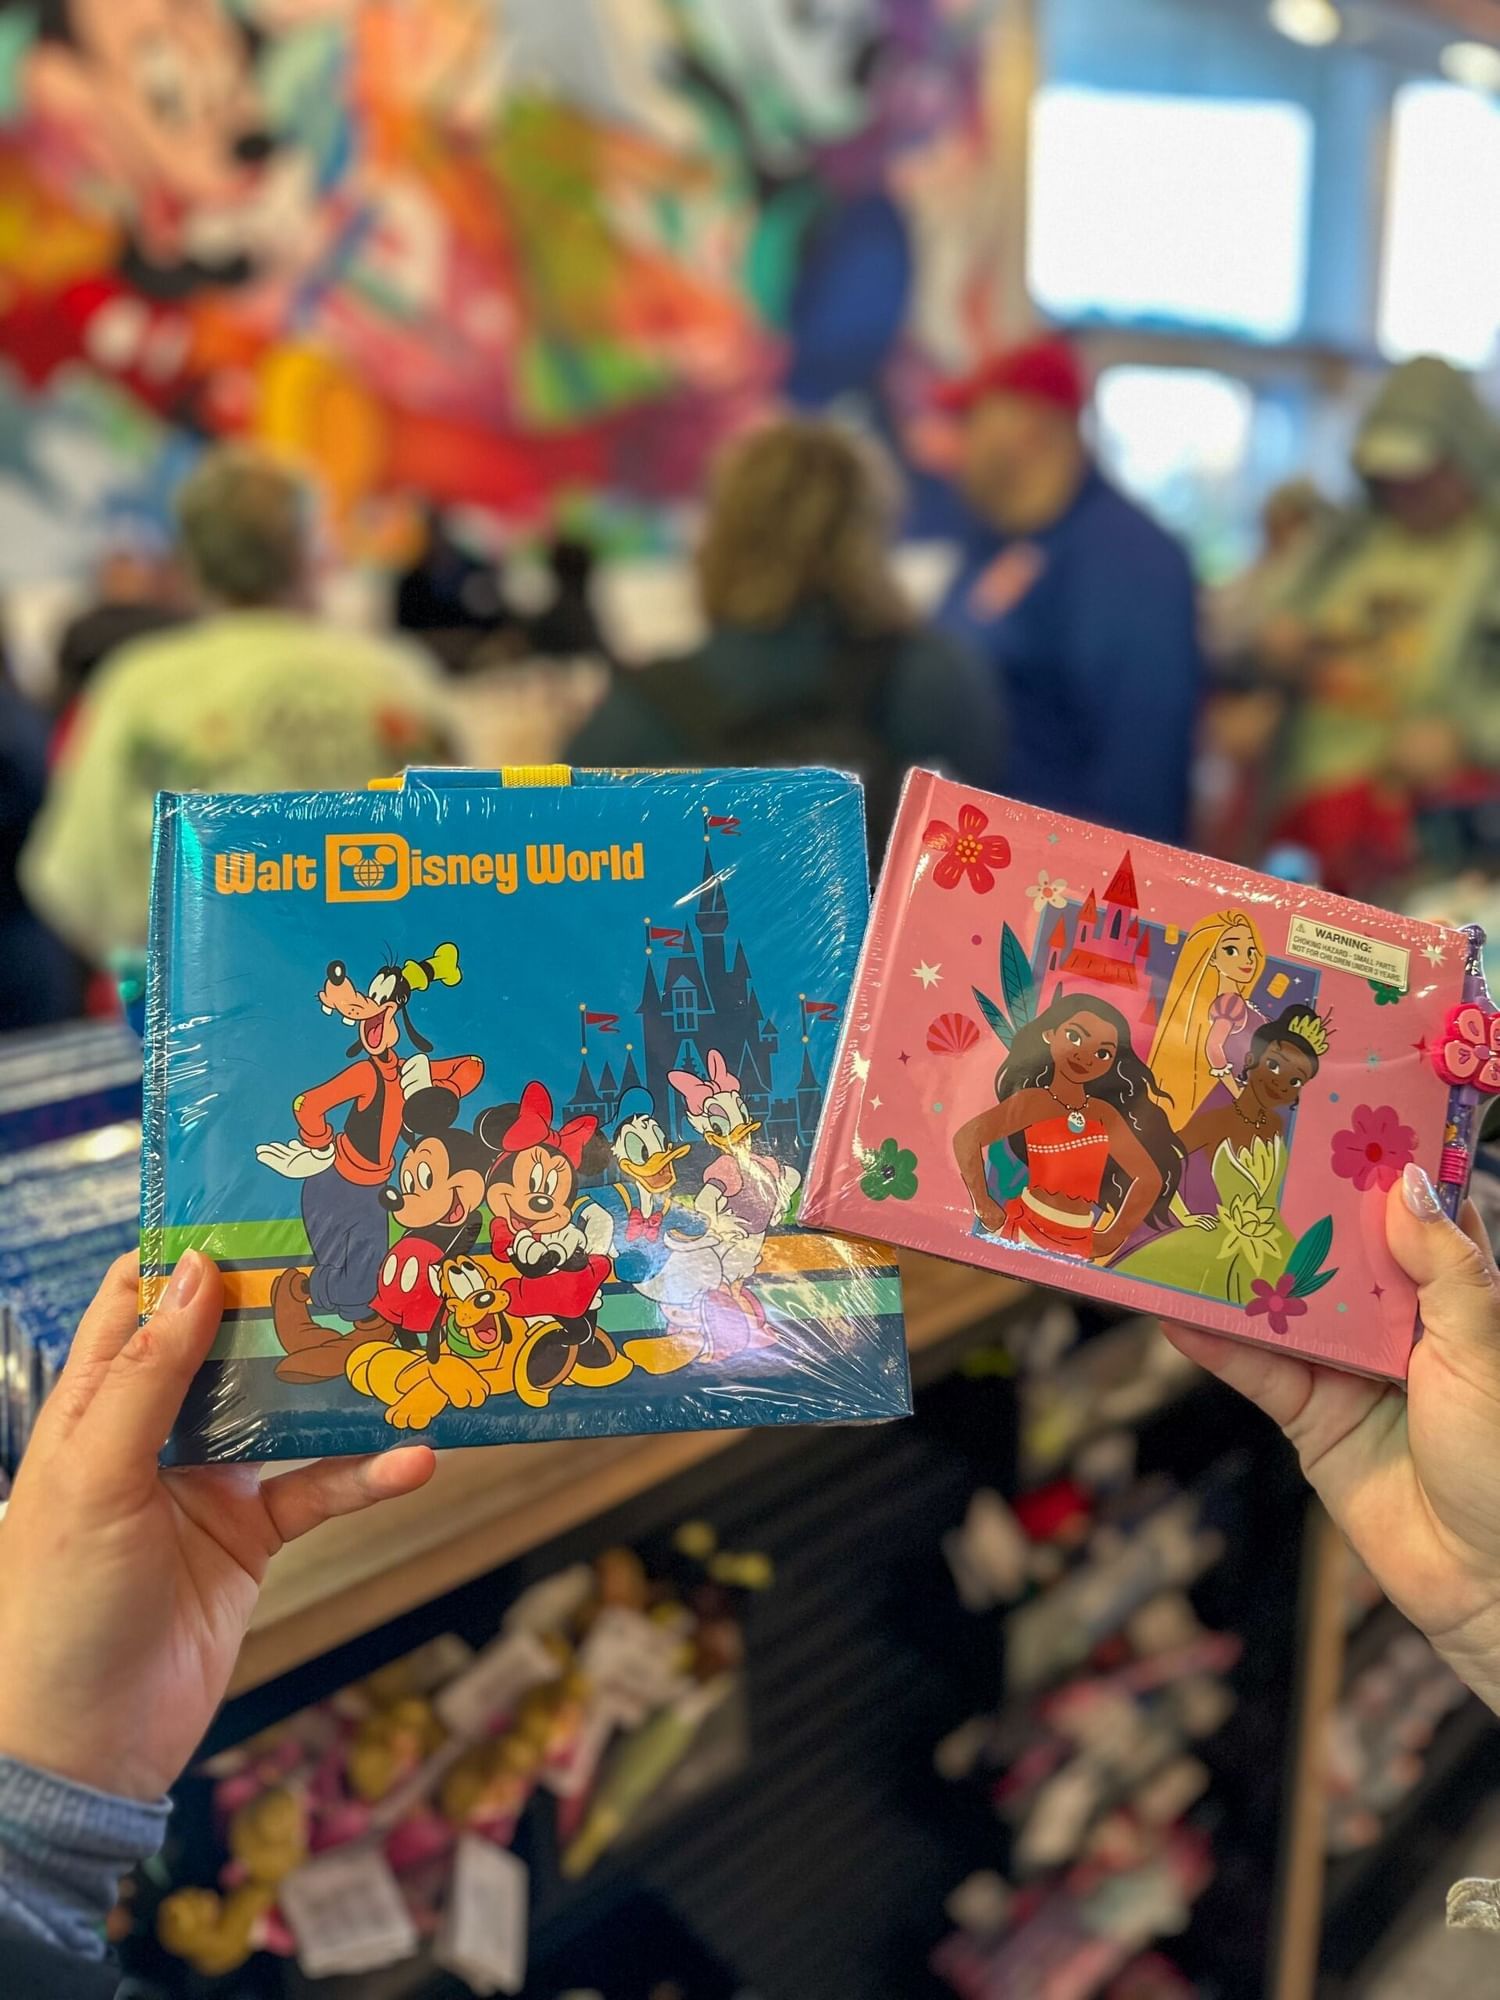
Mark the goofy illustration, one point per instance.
(344, 1174)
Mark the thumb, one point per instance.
(137, 1402)
(1458, 1291)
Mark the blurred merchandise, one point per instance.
(381, 1819)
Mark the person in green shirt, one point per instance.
(257, 695)
(1383, 635)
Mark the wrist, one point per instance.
(63, 1848)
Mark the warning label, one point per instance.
(1347, 951)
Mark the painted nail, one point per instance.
(1419, 1194)
(185, 1281)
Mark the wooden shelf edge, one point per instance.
(481, 1510)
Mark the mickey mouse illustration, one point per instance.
(562, 1266)
(435, 1195)
(344, 1174)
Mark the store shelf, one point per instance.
(1455, 1745)
(483, 1508)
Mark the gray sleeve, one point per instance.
(63, 1849)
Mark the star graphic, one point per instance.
(1433, 953)
(903, 1057)
(928, 974)
(1372, 1058)
(860, 1065)
(1052, 840)
(875, 1103)
(1421, 1046)
(1377, 1291)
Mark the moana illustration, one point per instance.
(1241, 1139)
(1082, 1113)
(1207, 1020)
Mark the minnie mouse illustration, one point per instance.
(562, 1266)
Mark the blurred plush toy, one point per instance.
(390, 1746)
(268, 1838)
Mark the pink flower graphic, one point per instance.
(1373, 1148)
(967, 850)
(1277, 1302)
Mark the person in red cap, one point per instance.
(1084, 608)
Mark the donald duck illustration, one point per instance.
(660, 1242)
(744, 1194)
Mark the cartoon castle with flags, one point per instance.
(1102, 947)
(696, 995)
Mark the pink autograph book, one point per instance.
(1153, 1078)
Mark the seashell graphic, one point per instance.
(951, 1034)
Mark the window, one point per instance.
(684, 1007)
(1183, 210)
(1440, 277)
(1191, 444)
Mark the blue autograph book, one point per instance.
(492, 1095)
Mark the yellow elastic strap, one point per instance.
(515, 775)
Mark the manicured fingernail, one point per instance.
(185, 1281)
(1419, 1194)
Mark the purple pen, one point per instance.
(1461, 1134)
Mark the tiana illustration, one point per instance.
(1203, 1035)
(1082, 1113)
(1242, 1139)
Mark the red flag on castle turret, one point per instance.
(723, 822)
(605, 1023)
(660, 934)
(1121, 890)
(820, 1010)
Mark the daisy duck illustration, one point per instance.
(744, 1194)
(660, 1242)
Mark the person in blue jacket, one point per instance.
(1082, 606)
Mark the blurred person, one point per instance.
(451, 599)
(568, 626)
(1242, 713)
(43, 983)
(1082, 607)
(133, 595)
(1383, 636)
(1290, 514)
(257, 695)
(814, 654)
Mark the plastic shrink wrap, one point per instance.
(493, 1094)
(1150, 1077)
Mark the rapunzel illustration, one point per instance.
(1242, 1138)
(1080, 1110)
(1207, 1020)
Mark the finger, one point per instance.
(1276, 1383)
(107, 1324)
(1334, 1420)
(305, 1499)
(1458, 1294)
(141, 1391)
(1470, 1223)
(112, 1314)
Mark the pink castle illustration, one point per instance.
(1105, 954)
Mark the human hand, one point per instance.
(1414, 1480)
(990, 1214)
(295, 1161)
(125, 1590)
